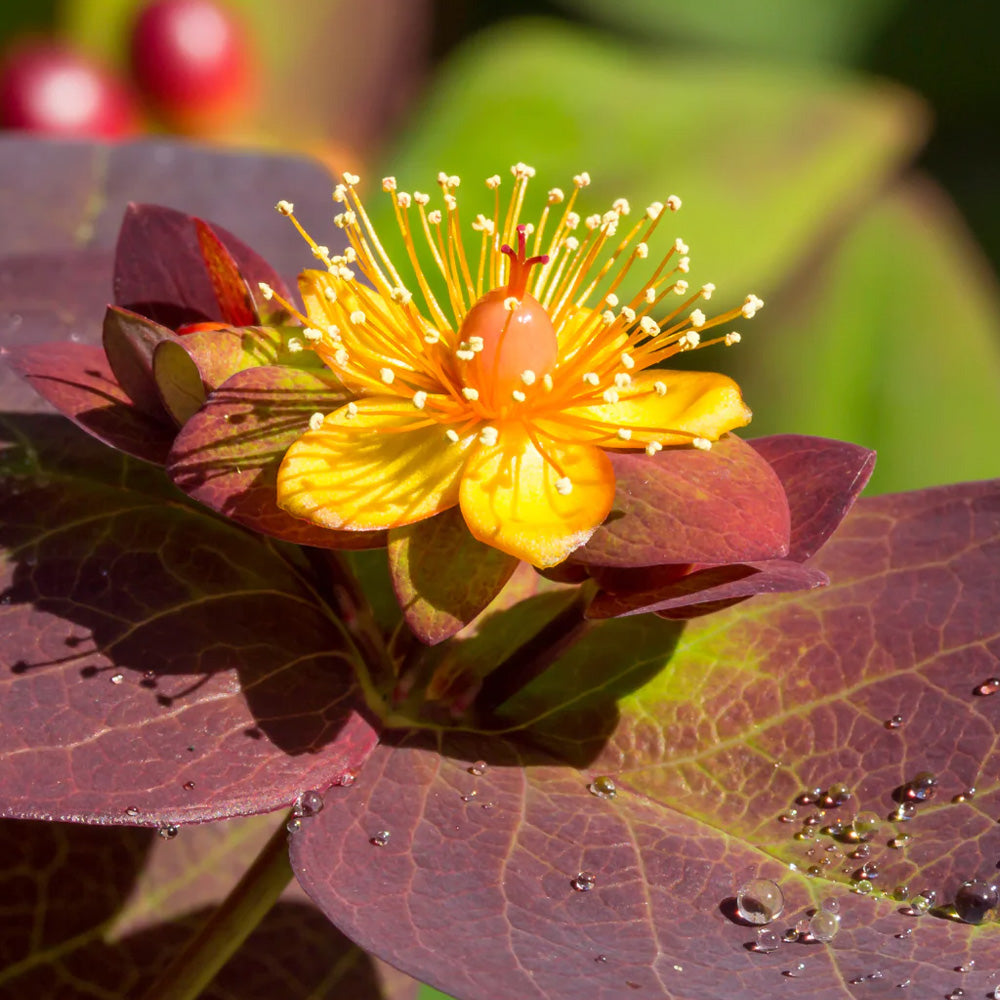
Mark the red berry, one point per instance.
(189, 58)
(47, 87)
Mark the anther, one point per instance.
(611, 299)
(470, 394)
(294, 345)
(266, 290)
(609, 396)
(563, 486)
(654, 211)
(697, 318)
(357, 317)
(419, 398)
(706, 291)
(387, 375)
(312, 334)
(555, 196)
(674, 203)
(352, 411)
(488, 436)
(493, 182)
(519, 397)
(649, 326)
(284, 207)
(624, 434)
(351, 179)
(528, 377)
(653, 447)
(452, 435)
(702, 444)
(623, 380)
(591, 378)
(660, 388)
(732, 338)
(581, 180)
(680, 246)
(316, 421)
(680, 287)
(388, 183)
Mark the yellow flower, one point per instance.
(502, 398)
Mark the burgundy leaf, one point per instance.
(235, 304)
(710, 733)
(129, 342)
(443, 577)
(101, 912)
(822, 479)
(713, 584)
(77, 380)
(689, 506)
(163, 666)
(227, 455)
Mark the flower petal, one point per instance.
(510, 499)
(375, 463)
(695, 404)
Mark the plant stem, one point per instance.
(534, 657)
(230, 925)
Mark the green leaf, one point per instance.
(894, 344)
(764, 159)
(178, 380)
(788, 29)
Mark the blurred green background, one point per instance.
(837, 157)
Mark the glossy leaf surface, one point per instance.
(710, 732)
(686, 506)
(443, 577)
(227, 456)
(91, 912)
(161, 665)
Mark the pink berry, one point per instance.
(47, 87)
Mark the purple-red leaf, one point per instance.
(710, 732)
(162, 269)
(77, 380)
(162, 665)
(822, 479)
(90, 912)
(130, 341)
(689, 506)
(232, 295)
(227, 455)
(443, 577)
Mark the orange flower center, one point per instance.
(517, 340)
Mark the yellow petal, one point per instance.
(512, 498)
(375, 463)
(695, 405)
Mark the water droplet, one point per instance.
(149, 675)
(904, 812)
(956, 994)
(863, 887)
(768, 940)
(861, 851)
(896, 722)
(802, 927)
(478, 768)
(346, 779)
(877, 974)
(974, 899)
(601, 958)
(869, 870)
(814, 871)
(168, 832)
(132, 811)
(759, 901)
(824, 925)
(903, 984)
(469, 796)
(788, 817)
(921, 787)
(796, 970)
(603, 787)
(380, 839)
(897, 842)
(790, 936)
(922, 901)
(116, 678)
(969, 793)
(901, 893)
(809, 797)
(815, 819)
(804, 834)
(865, 825)
(583, 881)
(996, 993)
(838, 793)
(309, 803)
(487, 806)
(969, 966)
(902, 935)
(294, 825)
(831, 904)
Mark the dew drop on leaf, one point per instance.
(865, 825)
(897, 842)
(788, 817)
(310, 803)
(990, 686)
(896, 722)
(601, 958)
(188, 786)
(974, 899)
(904, 812)
(168, 831)
(759, 901)
(117, 678)
(966, 967)
(837, 794)
(922, 901)
(921, 787)
(824, 925)
(969, 793)
(603, 787)
(901, 893)
(831, 904)
(797, 970)
(469, 796)
(478, 768)
(380, 839)
(863, 887)
(294, 825)
(132, 811)
(956, 994)
(583, 881)
(768, 940)
(346, 779)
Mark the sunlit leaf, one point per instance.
(161, 665)
(710, 732)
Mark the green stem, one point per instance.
(230, 925)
